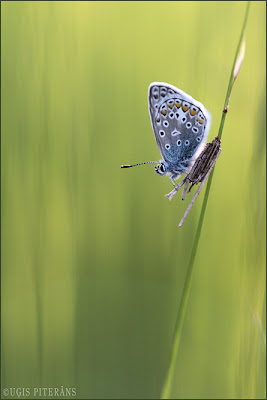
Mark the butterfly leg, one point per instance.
(173, 181)
(176, 189)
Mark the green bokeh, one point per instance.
(93, 262)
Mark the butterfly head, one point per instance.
(161, 168)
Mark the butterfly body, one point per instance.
(180, 124)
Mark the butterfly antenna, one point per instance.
(135, 165)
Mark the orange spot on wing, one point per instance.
(170, 105)
(158, 119)
(163, 112)
(185, 108)
(193, 112)
(178, 105)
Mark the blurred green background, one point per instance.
(93, 262)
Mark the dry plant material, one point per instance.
(198, 173)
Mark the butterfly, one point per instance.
(180, 125)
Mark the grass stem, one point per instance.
(185, 294)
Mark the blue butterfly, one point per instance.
(180, 124)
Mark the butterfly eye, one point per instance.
(161, 168)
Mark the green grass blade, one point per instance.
(185, 294)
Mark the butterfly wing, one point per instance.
(180, 123)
